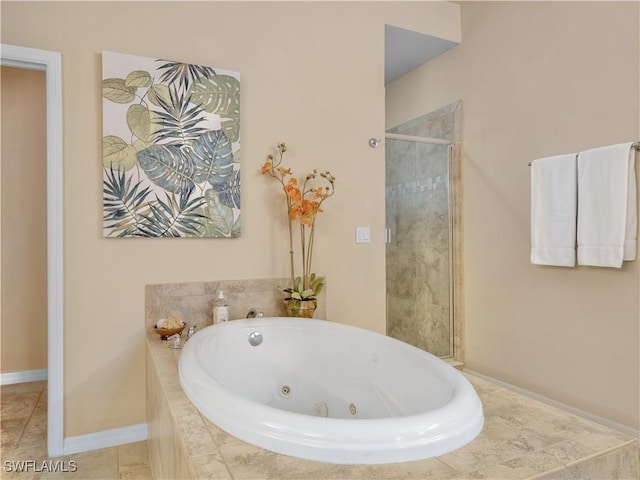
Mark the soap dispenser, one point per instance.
(220, 309)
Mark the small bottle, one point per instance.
(220, 309)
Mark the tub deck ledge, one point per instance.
(522, 438)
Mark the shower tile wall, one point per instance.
(442, 123)
(417, 213)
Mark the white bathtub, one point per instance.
(326, 391)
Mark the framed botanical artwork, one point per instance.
(171, 148)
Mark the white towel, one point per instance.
(553, 210)
(607, 209)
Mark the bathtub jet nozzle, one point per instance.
(255, 338)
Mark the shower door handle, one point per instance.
(387, 235)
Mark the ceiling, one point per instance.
(405, 50)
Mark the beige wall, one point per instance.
(312, 75)
(538, 79)
(24, 217)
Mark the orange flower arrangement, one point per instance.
(303, 206)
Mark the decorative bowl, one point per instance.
(167, 332)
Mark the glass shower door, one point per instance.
(418, 248)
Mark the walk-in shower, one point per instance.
(419, 242)
(424, 232)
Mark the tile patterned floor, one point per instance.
(23, 436)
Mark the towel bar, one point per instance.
(635, 145)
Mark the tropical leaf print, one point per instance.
(178, 123)
(169, 167)
(117, 154)
(231, 128)
(218, 218)
(229, 192)
(124, 204)
(157, 93)
(183, 74)
(212, 157)
(177, 168)
(116, 90)
(220, 95)
(171, 149)
(138, 78)
(173, 217)
(139, 121)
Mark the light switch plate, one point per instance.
(363, 234)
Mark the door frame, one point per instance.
(51, 63)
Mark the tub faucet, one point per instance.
(254, 312)
(191, 331)
(177, 341)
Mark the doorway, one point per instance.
(24, 225)
(51, 64)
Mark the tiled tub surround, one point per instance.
(522, 438)
(193, 302)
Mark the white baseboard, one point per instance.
(106, 438)
(23, 377)
(562, 406)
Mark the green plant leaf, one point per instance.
(117, 154)
(159, 93)
(138, 78)
(117, 91)
(318, 285)
(307, 293)
(139, 121)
